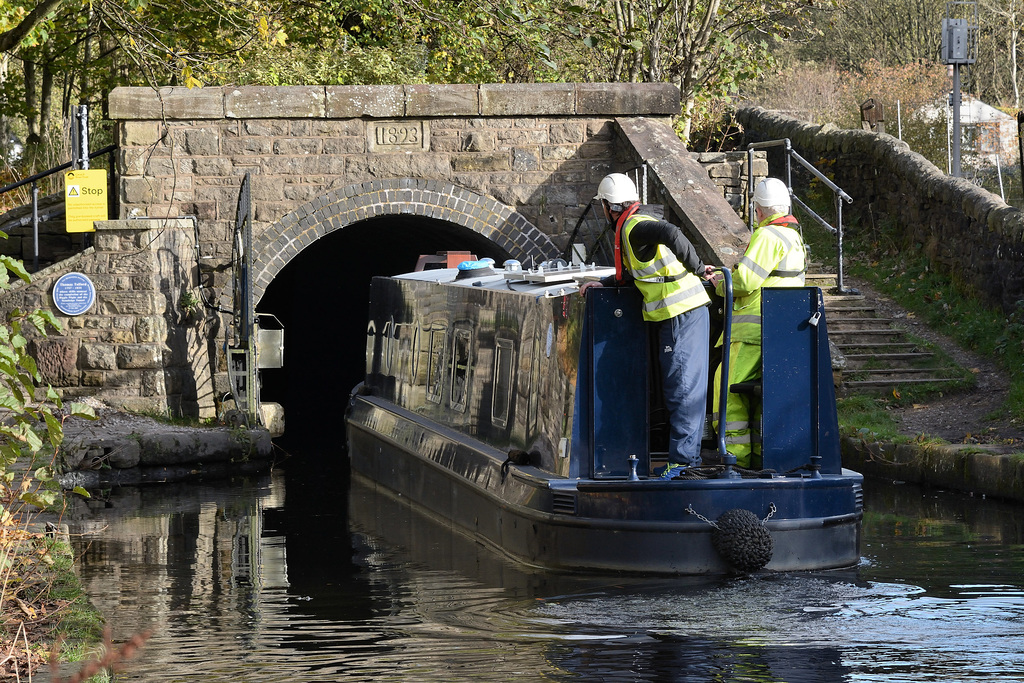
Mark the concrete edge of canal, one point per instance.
(123, 449)
(994, 471)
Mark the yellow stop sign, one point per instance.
(85, 199)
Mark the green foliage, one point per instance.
(334, 64)
(868, 417)
(30, 433)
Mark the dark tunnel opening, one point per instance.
(321, 299)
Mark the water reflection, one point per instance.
(290, 577)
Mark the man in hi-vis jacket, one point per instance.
(661, 262)
(774, 258)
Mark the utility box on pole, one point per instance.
(959, 48)
(956, 42)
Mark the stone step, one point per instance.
(893, 347)
(890, 372)
(888, 357)
(872, 338)
(860, 361)
(860, 325)
(840, 299)
(849, 312)
(823, 280)
(883, 383)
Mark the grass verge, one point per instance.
(43, 604)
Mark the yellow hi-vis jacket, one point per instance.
(667, 287)
(774, 258)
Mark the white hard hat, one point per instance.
(772, 192)
(617, 188)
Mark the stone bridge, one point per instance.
(347, 182)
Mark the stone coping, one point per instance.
(394, 101)
(995, 471)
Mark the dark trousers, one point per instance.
(683, 348)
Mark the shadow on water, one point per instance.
(303, 575)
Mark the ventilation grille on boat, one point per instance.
(563, 503)
(858, 497)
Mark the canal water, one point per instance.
(292, 577)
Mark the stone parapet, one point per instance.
(962, 228)
(695, 202)
(387, 101)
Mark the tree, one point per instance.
(891, 32)
(706, 47)
(18, 24)
(1001, 22)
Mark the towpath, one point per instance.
(965, 417)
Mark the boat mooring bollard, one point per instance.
(632, 468)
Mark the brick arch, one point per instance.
(283, 241)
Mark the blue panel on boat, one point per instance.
(618, 380)
(798, 404)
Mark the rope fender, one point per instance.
(742, 540)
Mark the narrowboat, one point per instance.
(502, 403)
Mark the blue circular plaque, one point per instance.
(74, 294)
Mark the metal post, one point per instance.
(1020, 145)
(840, 287)
(956, 122)
(789, 166)
(113, 204)
(999, 172)
(750, 188)
(728, 459)
(83, 137)
(35, 228)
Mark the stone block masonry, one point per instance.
(135, 348)
(537, 149)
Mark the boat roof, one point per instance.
(551, 278)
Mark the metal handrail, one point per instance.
(839, 197)
(723, 390)
(56, 169)
(641, 182)
(34, 179)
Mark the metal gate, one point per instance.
(240, 346)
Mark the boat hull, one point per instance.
(608, 525)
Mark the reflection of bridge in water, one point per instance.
(383, 591)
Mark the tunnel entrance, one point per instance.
(321, 298)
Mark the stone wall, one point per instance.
(538, 149)
(136, 348)
(964, 229)
(728, 171)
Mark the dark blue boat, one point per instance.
(502, 403)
